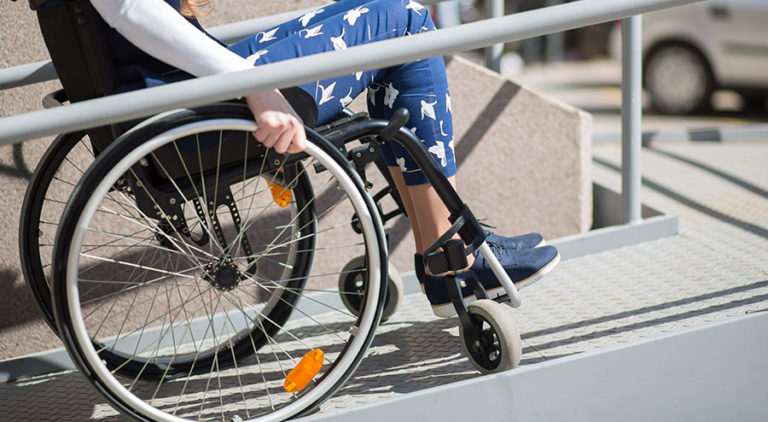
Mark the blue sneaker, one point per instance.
(516, 243)
(524, 267)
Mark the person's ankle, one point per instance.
(421, 271)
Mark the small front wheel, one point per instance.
(352, 287)
(497, 345)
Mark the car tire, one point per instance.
(678, 78)
(754, 102)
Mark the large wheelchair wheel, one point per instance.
(56, 175)
(184, 283)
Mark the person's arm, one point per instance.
(157, 29)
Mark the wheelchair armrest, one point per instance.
(55, 99)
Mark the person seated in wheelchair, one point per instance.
(167, 30)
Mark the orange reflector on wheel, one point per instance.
(304, 372)
(281, 195)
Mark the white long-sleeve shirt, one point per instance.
(160, 31)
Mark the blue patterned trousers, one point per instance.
(419, 86)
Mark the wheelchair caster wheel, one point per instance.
(497, 344)
(352, 287)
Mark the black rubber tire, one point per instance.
(678, 78)
(31, 229)
(352, 288)
(754, 103)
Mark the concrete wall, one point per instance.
(524, 160)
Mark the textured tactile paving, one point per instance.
(717, 267)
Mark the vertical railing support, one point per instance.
(631, 117)
(555, 50)
(494, 9)
(448, 13)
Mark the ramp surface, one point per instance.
(715, 269)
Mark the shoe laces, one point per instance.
(498, 249)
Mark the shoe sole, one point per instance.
(446, 310)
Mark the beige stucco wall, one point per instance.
(524, 160)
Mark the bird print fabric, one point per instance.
(352, 15)
(308, 17)
(268, 36)
(418, 86)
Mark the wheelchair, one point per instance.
(193, 273)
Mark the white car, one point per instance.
(690, 51)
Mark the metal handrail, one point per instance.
(382, 54)
(377, 55)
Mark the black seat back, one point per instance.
(77, 41)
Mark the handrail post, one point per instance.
(448, 13)
(631, 117)
(494, 9)
(555, 50)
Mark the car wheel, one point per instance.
(678, 79)
(754, 102)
